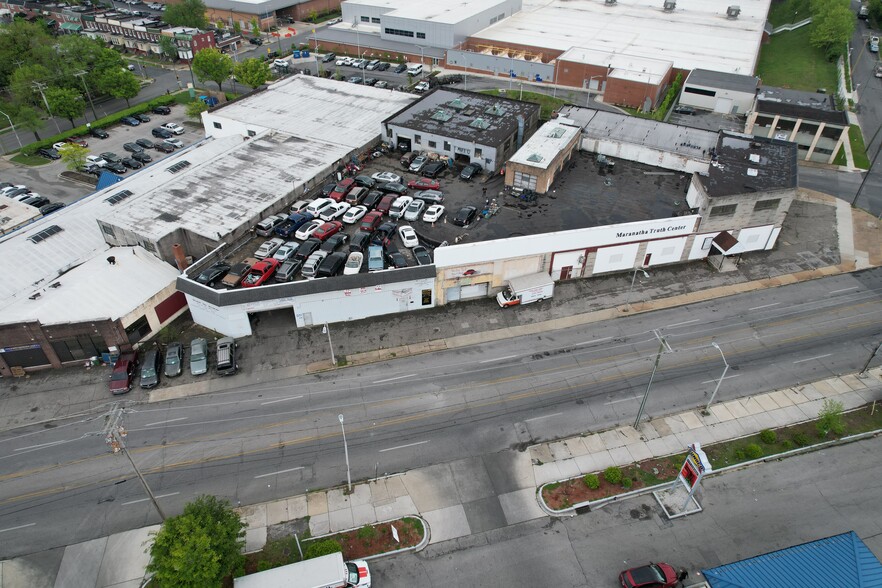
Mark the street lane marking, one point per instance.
(764, 306)
(545, 416)
(726, 378)
(50, 444)
(146, 499)
(18, 527)
(281, 400)
(681, 324)
(498, 359)
(844, 290)
(622, 400)
(392, 379)
(813, 358)
(278, 472)
(166, 422)
(403, 446)
(593, 341)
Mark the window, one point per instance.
(432, 144)
(707, 243)
(421, 35)
(418, 139)
(699, 91)
(375, 19)
(427, 297)
(446, 145)
(389, 132)
(766, 205)
(399, 32)
(723, 211)
(217, 125)
(365, 19)
(478, 152)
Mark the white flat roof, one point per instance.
(539, 151)
(14, 214)
(696, 34)
(629, 67)
(337, 113)
(96, 289)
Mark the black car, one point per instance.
(335, 241)
(161, 110)
(355, 80)
(145, 143)
(372, 199)
(165, 147)
(111, 156)
(465, 216)
(133, 147)
(307, 248)
(469, 171)
(142, 117)
(400, 68)
(162, 133)
(365, 182)
(142, 157)
(383, 66)
(433, 170)
(370, 81)
(116, 168)
(132, 163)
(37, 201)
(49, 153)
(384, 234)
(360, 241)
(395, 188)
(213, 274)
(130, 121)
(422, 255)
(327, 189)
(50, 208)
(256, 41)
(331, 265)
(395, 259)
(680, 109)
(98, 133)
(328, 57)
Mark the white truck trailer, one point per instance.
(526, 289)
(327, 571)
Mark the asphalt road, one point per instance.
(747, 513)
(261, 442)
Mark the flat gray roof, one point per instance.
(723, 80)
(744, 163)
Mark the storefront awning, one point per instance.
(726, 244)
(70, 26)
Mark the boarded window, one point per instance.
(723, 211)
(766, 205)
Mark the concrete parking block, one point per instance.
(254, 516)
(520, 506)
(692, 420)
(639, 451)
(340, 519)
(80, 564)
(722, 412)
(319, 524)
(431, 488)
(853, 382)
(129, 557)
(363, 514)
(781, 399)
(338, 499)
(255, 539)
(277, 512)
(297, 508)
(400, 507)
(736, 408)
(593, 443)
(766, 401)
(447, 523)
(612, 439)
(317, 503)
(620, 455)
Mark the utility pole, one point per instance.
(869, 359)
(661, 348)
(39, 87)
(81, 75)
(14, 132)
(115, 435)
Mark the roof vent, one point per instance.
(754, 157)
(733, 11)
(610, 2)
(669, 5)
(752, 172)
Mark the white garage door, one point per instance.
(723, 105)
(475, 291)
(451, 294)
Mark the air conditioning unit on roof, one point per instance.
(733, 11)
(670, 5)
(610, 2)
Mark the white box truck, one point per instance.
(526, 289)
(327, 571)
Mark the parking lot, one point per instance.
(47, 181)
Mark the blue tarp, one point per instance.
(107, 179)
(841, 561)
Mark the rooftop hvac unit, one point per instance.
(610, 2)
(670, 5)
(733, 11)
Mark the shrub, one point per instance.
(801, 439)
(592, 481)
(768, 436)
(321, 547)
(264, 565)
(613, 475)
(738, 454)
(366, 533)
(830, 418)
(753, 451)
(627, 482)
(787, 445)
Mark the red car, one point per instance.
(78, 141)
(385, 204)
(342, 189)
(371, 221)
(123, 375)
(260, 272)
(654, 575)
(327, 229)
(424, 184)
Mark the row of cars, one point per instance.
(138, 152)
(23, 194)
(171, 364)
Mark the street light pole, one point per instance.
(658, 355)
(81, 74)
(722, 377)
(346, 450)
(14, 132)
(633, 279)
(327, 329)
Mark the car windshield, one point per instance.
(171, 360)
(352, 569)
(148, 373)
(197, 356)
(119, 376)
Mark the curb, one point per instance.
(427, 535)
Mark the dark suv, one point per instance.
(433, 170)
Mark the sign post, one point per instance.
(693, 470)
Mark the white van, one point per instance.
(415, 70)
(318, 206)
(311, 264)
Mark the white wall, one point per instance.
(359, 303)
(647, 155)
(574, 259)
(665, 250)
(228, 126)
(742, 100)
(613, 259)
(488, 153)
(755, 238)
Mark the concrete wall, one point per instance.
(642, 154)
(632, 93)
(741, 102)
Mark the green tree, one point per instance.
(220, 25)
(876, 10)
(120, 83)
(168, 47)
(196, 108)
(832, 26)
(22, 87)
(830, 418)
(66, 103)
(187, 13)
(252, 72)
(199, 547)
(237, 27)
(73, 156)
(29, 119)
(255, 27)
(18, 42)
(211, 64)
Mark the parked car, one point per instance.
(116, 167)
(470, 171)
(328, 58)
(294, 223)
(353, 263)
(286, 251)
(355, 79)
(198, 357)
(429, 196)
(344, 61)
(174, 128)
(683, 109)
(394, 259)
(161, 110)
(375, 261)
(334, 212)
(354, 214)
(307, 248)
(49, 153)
(288, 270)
(433, 170)
(414, 210)
(300, 205)
(383, 66)
(384, 234)
(150, 369)
(260, 273)
(130, 121)
(421, 87)
(433, 213)
(142, 117)
(268, 248)
(408, 236)
(280, 64)
(400, 68)
(386, 177)
(398, 207)
(365, 182)
(465, 216)
(306, 231)
(318, 206)
(36, 201)
(176, 143)
(331, 265)
(335, 241)
(161, 133)
(381, 84)
(123, 374)
(394, 188)
(78, 141)
(226, 356)
(373, 64)
(50, 208)
(238, 272)
(385, 204)
(424, 184)
(356, 195)
(10, 188)
(312, 263)
(873, 44)
(361, 240)
(111, 157)
(372, 199)
(422, 255)
(142, 157)
(256, 41)
(174, 359)
(359, 63)
(653, 575)
(328, 229)
(418, 163)
(327, 189)
(131, 163)
(370, 81)
(165, 147)
(98, 133)
(96, 160)
(214, 273)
